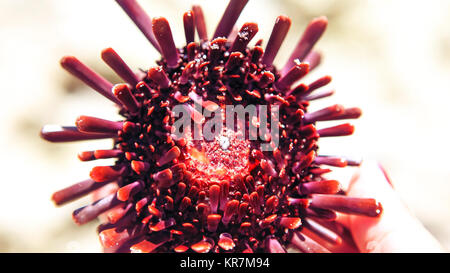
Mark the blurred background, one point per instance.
(391, 58)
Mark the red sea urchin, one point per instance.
(226, 194)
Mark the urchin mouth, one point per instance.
(220, 159)
(224, 142)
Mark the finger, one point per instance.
(395, 230)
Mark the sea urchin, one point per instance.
(239, 191)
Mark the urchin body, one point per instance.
(227, 194)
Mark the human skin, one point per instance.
(397, 229)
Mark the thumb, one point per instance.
(396, 229)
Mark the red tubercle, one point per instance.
(245, 35)
(268, 221)
(348, 113)
(234, 61)
(322, 187)
(203, 211)
(229, 18)
(169, 156)
(304, 162)
(200, 23)
(290, 222)
(268, 168)
(124, 95)
(187, 73)
(89, 124)
(154, 211)
(191, 49)
(189, 26)
(181, 249)
(324, 114)
(256, 54)
(163, 35)
(279, 32)
(318, 95)
(87, 213)
(203, 246)
(111, 238)
(271, 203)
(254, 203)
(214, 197)
(106, 173)
(245, 228)
(140, 204)
(56, 133)
(310, 36)
(118, 213)
(231, 208)
(224, 190)
(319, 171)
(76, 191)
(331, 161)
(300, 202)
(296, 73)
(88, 76)
(338, 130)
(226, 242)
(162, 225)
(298, 91)
(163, 178)
(102, 154)
(142, 87)
(266, 79)
(320, 82)
(213, 221)
(117, 64)
(140, 167)
(353, 205)
(86, 156)
(147, 246)
(181, 191)
(216, 48)
(189, 228)
(157, 75)
(124, 193)
(128, 128)
(242, 211)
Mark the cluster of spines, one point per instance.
(160, 206)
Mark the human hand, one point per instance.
(396, 229)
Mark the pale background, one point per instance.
(391, 58)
